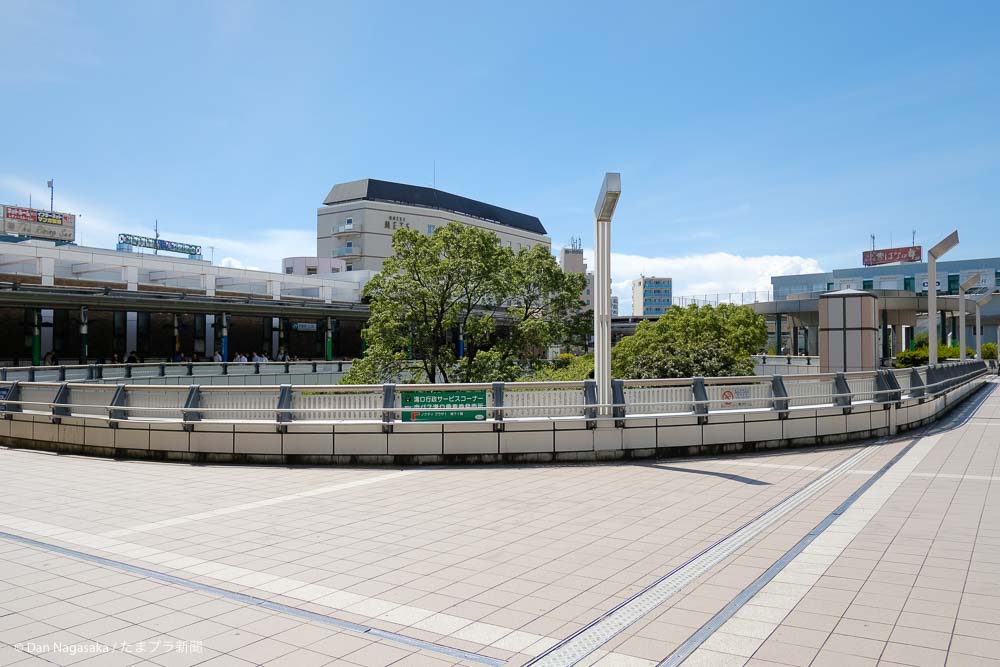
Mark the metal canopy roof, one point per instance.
(107, 299)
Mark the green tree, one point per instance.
(709, 341)
(508, 307)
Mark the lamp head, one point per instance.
(971, 282)
(946, 244)
(985, 299)
(611, 190)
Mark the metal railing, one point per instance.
(106, 372)
(493, 403)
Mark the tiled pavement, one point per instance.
(504, 562)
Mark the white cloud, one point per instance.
(696, 275)
(99, 226)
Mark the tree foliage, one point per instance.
(509, 306)
(708, 341)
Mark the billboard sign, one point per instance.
(52, 225)
(892, 255)
(444, 406)
(158, 244)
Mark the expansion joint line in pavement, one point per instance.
(595, 634)
(684, 651)
(256, 601)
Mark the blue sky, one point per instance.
(752, 137)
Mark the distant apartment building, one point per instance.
(651, 297)
(614, 306)
(571, 261)
(357, 220)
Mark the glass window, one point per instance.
(387, 224)
(349, 267)
(954, 280)
(310, 270)
(908, 284)
(288, 269)
(867, 284)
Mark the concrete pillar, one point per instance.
(225, 337)
(177, 333)
(47, 340)
(848, 325)
(130, 276)
(329, 339)
(777, 334)
(131, 332)
(795, 339)
(209, 336)
(208, 284)
(84, 321)
(36, 338)
(47, 270)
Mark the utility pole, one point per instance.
(156, 237)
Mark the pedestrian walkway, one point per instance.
(884, 552)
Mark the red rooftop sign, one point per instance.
(892, 255)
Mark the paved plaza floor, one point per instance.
(877, 552)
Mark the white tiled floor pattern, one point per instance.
(499, 561)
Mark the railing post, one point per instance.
(13, 394)
(618, 401)
(497, 388)
(388, 407)
(62, 373)
(256, 368)
(225, 368)
(700, 399)
(163, 370)
(843, 391)
(118, 400)
(916, 385)
(780, 394)
(590, 400)
(128, 371)
(59, 408)
(190, 414)
(190, 369)
(284, 414)
(3, 374)
(31, 374)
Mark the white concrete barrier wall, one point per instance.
(524, 422)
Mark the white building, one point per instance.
(357, 220)
(571, 261)
(312, 266)
(651, 297)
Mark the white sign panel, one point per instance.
(922, 283)
(38, 223)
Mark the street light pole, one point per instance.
(933, 254)
(606, 201)
(971, 282)
(979, 323)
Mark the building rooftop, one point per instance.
(370, 189)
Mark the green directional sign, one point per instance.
(444, 406)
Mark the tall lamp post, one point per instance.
(933, 254)
(611, 190)
(971, 282)
(982, 301)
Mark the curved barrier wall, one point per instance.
(511, 422)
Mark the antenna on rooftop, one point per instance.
(156, 235)
(913, 237)
(873, 241)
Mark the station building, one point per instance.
(56, 297)
(357, 220)
(793, 311)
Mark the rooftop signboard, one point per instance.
(37, 223)
(892, 255)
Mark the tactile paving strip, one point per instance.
(591, 637)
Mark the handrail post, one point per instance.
(618, 401)
(118, 400)
(497, 388)
(590, 400)
(128, 371)
(700, 395)
(388, 407)
(190, 404)
(843, 390)
(13, 394)
(916, 385)
(780, 394)
(59, 408)
(284, 414)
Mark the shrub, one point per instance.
(910, 358)
(990, 351)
